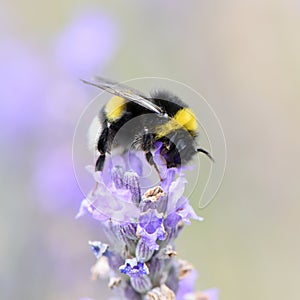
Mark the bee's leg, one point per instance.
(147, 144)
(151, 161)
(102, 148)
(100, 163)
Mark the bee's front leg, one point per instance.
(147, 143)
(102, 146)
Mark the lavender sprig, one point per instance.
(141, 226)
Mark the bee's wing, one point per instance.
(124, 92)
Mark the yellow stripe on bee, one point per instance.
(186, 118)
(183, 118)
(114, 108)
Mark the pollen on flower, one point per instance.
(184, 268)
(161, 292)
(154, 193)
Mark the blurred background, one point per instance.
(242, 56)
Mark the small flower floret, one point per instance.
(134, 268)
(151, 228)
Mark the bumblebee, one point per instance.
(160, 119)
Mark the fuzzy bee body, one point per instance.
(131, 120)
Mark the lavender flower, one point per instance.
(141, 226)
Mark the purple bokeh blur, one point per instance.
(42, 99)
(22, 76)
(187, 288)
(86, 44)
(83, 48)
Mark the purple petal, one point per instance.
(106, 176)
(175, 192)
(109, 203)
(185, 211)
(170, 177)
(212, 294)
(186, 285)
(151, 228)
(172, 220)
(84, 208)
(135, 163)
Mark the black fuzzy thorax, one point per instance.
(177, 147)
(169, 102)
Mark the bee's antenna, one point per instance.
(206, 153)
